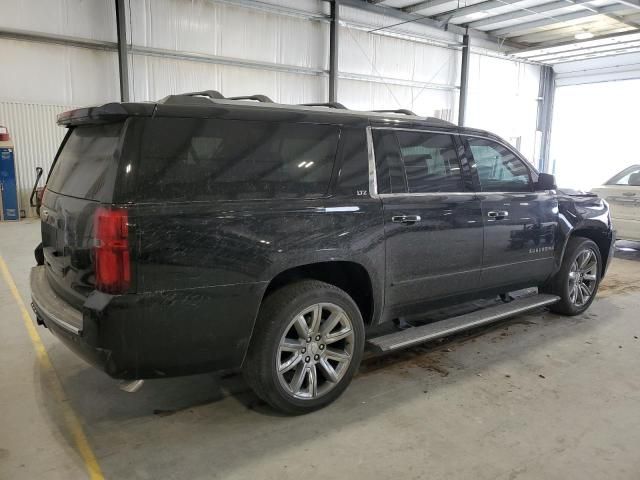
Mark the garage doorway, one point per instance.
(595, 127)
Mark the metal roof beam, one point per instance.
(568, 43)
(416, 7)
(545, 7)
(594, 55)
(477, 7)
(630, 3)
(514, 30)
(405, 17)
(611, 47)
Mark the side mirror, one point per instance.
(546, 181)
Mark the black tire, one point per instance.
(277, 313)
(561, 283)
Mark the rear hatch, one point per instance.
(81, 184)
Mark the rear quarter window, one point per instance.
(182, 159)
(87, 165)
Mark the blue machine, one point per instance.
(8, 180)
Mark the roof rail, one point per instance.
(213, 94)
(327, 104)
(403, 111)
(257, 98)
(193, 98)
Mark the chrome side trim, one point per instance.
(423, 130)
(373, 181)
(427, 194)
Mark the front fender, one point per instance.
(587, 216)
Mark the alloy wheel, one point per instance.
(583, 277)
(315, 351)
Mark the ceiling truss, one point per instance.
(546, 31)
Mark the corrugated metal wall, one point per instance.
(36, 137)
(242, 48)
(219, 31)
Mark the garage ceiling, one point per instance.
(546, 31)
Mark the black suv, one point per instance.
(203, 233)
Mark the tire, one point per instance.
(567, 282)
(282, 367)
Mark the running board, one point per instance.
(415, 335)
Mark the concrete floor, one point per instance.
(539, 396)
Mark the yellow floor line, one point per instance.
(71, 419)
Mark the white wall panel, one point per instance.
(94, 19)
(202, 26)
(55, 74)
(365, 53)
(36, 137)
(155, 78)
(399, 62)
(359, 95)
(503, 99)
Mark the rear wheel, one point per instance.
(577, 281)
(306, 346)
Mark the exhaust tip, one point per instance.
(131, 386)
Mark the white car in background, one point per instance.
(622, 192)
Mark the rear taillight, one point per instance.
(113, 269)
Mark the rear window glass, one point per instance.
(210, 159)
(88, 163)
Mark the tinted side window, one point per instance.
(185, 159)
(353, 173)
(499, 169)
(430, 162)
(88, 163)
(389, 172)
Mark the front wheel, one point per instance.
(577, 281)
(306, 346)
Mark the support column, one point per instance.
(333, 51)
(121, 26)
(546, 93)
(464, 79)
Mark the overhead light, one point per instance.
(584, 35)
(477, 15)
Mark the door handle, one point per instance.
(629, 194)
(407, 219)
(498, 214)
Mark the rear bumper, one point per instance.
(50, 308)
(156, 334)
(64, 321)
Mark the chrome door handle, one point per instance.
(498, 214)
(408, 219)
